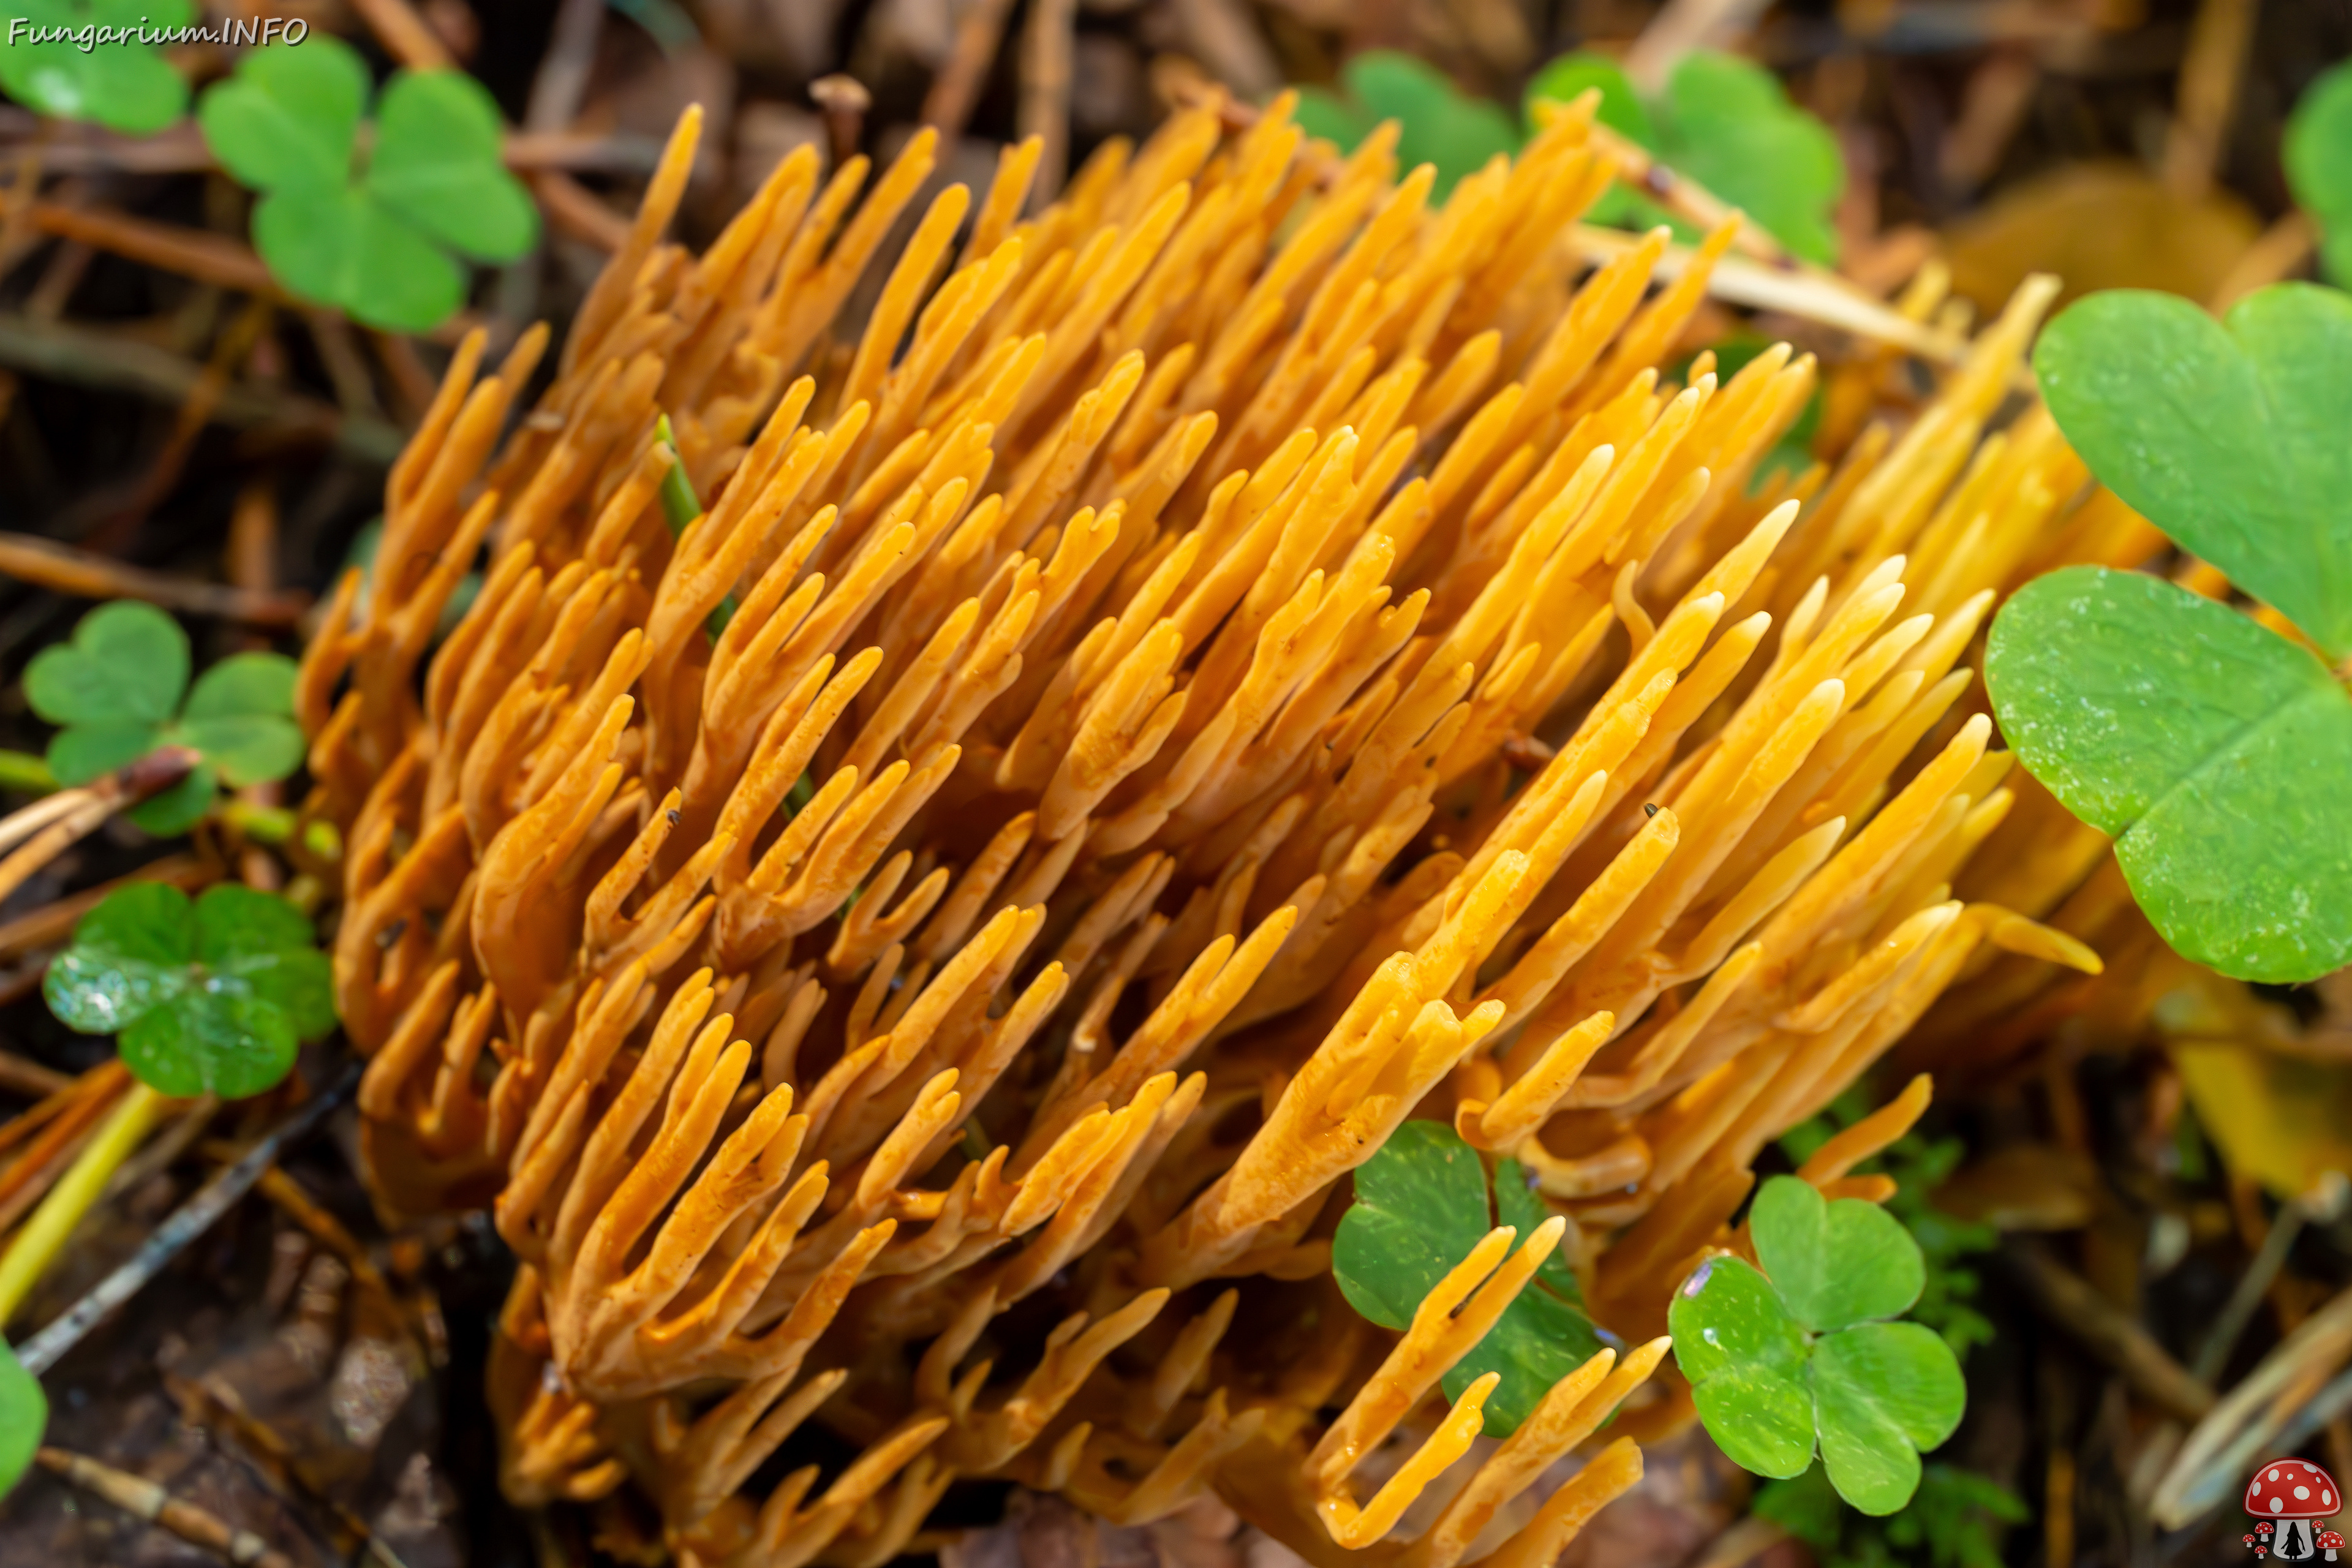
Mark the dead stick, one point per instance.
(1046, 50)
(2205, 93)
(27, 820)
(93, 803)
(326, 1230)
(182, 150)
(844, 101)
(405, 35)
(954, 92)
(1809, 297)
(189, 1221)
(561, 80)
(575, 210)
(101, 1080)
(89, 358)
(2109, 1334)
(1773, 281)
(220, 372)
(84, 574)
(212, 1403)
(143, 1499)
(22, 1075)
(37, 1170)
(192, 253)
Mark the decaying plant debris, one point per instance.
(1165, 612)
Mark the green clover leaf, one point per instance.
(437, 164)
(2317, 151)
(289, 118)
(93, 74)
(24, 1412)
(1794, 1354)
(1919, 1166)
(1725, 123)
(1422, 1205)
(212, 997)
(115, 688)
(125, 667)
(1437, 123)
(2227, 435)
(371, 234)
(2213, 751)
(1835, 1264)
(1883, 1393)
(239, 717)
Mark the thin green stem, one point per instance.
(52, 1223)
(21, 773)
(680, 508)
(276, 824)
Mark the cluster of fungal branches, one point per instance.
(1239, 659)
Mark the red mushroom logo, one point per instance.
(2291, 1495)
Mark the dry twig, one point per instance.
(2109, 1334)
(91, 358)
(189, 1221)
(45, 830)
(143, 1498)
(86, 574)
(980, 30)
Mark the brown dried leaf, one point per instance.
(2098, 225)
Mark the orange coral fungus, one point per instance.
(1244, 659)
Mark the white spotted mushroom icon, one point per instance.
(2294, 1494)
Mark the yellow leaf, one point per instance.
(2278, 1119)
(2098, 225)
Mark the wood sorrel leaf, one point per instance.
(2228, 436)
(370, 243)
(1571, 75)
(1421, 1207)
(241, 717)
(2317, 151)
(82, 754)
(1834, 1264)
(2214, 751)
(180, 808)
(212, 1040)
(1745, 1355)
(129, 956)
(125, 85)
(115, 688)
(1883, 1393)
(343, 247)
(1437, 123)
(210, 997)
(1727, 123)
(1873, 1394)
(1732, 129)
(24, 1412)
(437, 165)
(127, 664)
(289, 117)
(268, 946)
